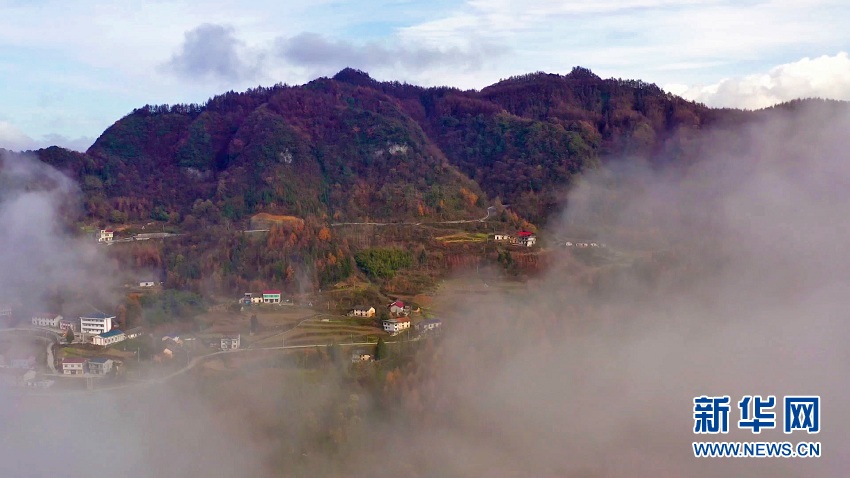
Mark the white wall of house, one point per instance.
(48, 320)
(100, 368)
(95, 325)
(104, 341)
(394, 326)
(73, 368)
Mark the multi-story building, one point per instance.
(96, 323)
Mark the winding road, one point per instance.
(490, 212)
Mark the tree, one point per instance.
(254, 323)
(69, 336)
(381, 349)
(335, 352)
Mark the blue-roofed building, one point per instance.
(100, 365)
(428, 325)
(109, 338)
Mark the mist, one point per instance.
(729, 279)
(43, 256)
(726, 276)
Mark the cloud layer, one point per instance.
(822, 77)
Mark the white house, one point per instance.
(362, 311)
(109, 338)
(46, 320)
(428, 325)
(5, 311)
(100, 365)
(395, 326)
(229, 342)
(106, 235)
(271, 297)
(501, 237)
(525, 238)
(147, 283)
(96, 323)
(74, 365)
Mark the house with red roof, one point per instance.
(271, 296)
(74, 365)
(526, 238)
(398, 308)
(106, 235)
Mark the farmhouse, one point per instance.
(147, 283)
(271, 296)
(230, 342)
(109, 338)
(428, 325)
(46, 320)
(361, 355)
(74, 365)
(396, 326)
(106, 235)
(362, 311)
(526, 238)
(398, 308)
(100, 365)
(501, 237)
(96, 323)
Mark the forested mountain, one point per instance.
(352, 149)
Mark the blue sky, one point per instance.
(70, 69)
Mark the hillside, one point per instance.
(351, 149)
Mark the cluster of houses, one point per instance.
(97, 327)
(83, 366)
(522, 238)
(398, 320)
(271, 296)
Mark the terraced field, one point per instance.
(324, 330)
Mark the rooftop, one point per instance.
(100, 360)
(111, 333)
(271, 292)
(75, 360)
(97, 315)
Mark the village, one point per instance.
(52, 351)
(49, 351)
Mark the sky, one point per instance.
(68, 70)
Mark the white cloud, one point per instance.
(821, 77)
(12, 138)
